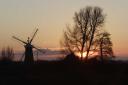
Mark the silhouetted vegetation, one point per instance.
(7, 54)
(86, 22)
(104, 46)
(71, 58)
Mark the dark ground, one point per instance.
(63, 73)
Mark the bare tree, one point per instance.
(96, 21)
(7, 54)
(104, 44)
(80, 38)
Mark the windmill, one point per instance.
(28, 48)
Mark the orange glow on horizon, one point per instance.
(91, 53)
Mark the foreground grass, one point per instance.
(63, 73)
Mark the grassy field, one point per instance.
(63, 73)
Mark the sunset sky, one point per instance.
(20, 17)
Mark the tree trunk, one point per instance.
(101, 50)
(92, 36)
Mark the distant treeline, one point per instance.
(7, 54)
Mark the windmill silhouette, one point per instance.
(28, 48)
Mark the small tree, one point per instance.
(7, 54)
(104, 44)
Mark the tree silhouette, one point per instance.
(104, 46)
(80, 37)
(7, 54)
(96, 20)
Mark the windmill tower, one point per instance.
(28, 48)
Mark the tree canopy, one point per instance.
(87, 23)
